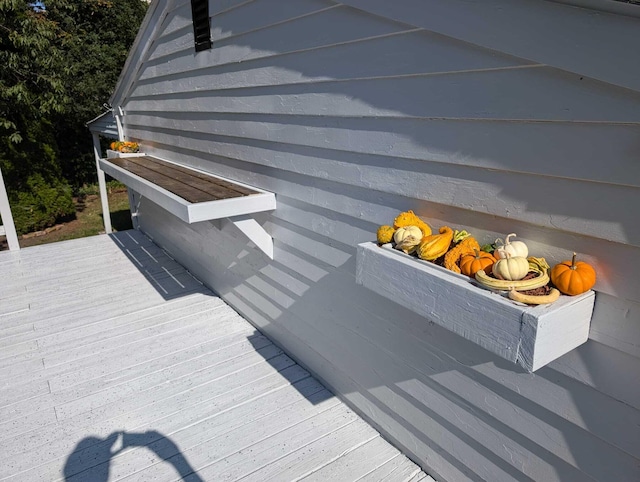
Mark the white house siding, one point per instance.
(353, 112)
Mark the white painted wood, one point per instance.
(556, 200)
(611, 6)
(8, 226)
(236, 208)
(305, 33)
(550, 335)
(255, 232)
(135, 371)
(111, 154)
(118, 117)
(152, 22)
(291, 401)
(381, 317)
(617, 324)
(578, 40)
(532, 337)
(104, 124)
(405, 53)
(185, 210)
(615, 263)
(102, 186)
(356, 463)
(310, 109)
(505, 94)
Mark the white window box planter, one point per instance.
(530, 336)
(113, 154)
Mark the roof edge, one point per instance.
(156, 11)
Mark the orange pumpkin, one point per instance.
(470, 264)
(573, 278)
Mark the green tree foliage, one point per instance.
(60, 62)
(31, 92)
(101, 33)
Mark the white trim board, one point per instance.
(529, 336)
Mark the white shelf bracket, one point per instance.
(255, 232)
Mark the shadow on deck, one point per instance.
(119, 364)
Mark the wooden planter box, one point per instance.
(530, 336)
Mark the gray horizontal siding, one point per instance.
(579, 40)
(490, 93)
(349, 118)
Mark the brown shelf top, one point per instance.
(191, 185)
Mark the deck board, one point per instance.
(118, 365)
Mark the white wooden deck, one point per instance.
(116, 364)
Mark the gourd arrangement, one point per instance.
(504, 265)
(124, 146)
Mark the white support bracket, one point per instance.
(255, 232)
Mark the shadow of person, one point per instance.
(164, 448)
(91, 458)
(88, 451)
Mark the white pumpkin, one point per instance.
(511, 268)
(408, 238)
(512, 248)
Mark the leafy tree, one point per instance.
(31, 92)
(61, 59)
(101, 33)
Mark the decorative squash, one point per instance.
(538, 265)
(385, 234)
(511, 268)
(407, 238)
(466, 246)
(424, 227)
(515, 248)
(405, 218)
(460, 235)
(573, 278)
(472, 263)
(409, 218)
(435, 245)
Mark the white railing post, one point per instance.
(102, 185)
(8, 226)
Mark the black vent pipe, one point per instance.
(201, 24)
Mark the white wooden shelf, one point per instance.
(530, 336)
(192, 195)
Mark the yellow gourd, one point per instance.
(409, 218)
(385, 234)
(435, 245)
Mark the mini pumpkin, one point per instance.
(512, 268)
(452, 257)
(573, 278)
(472, 263)
(515, 248)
